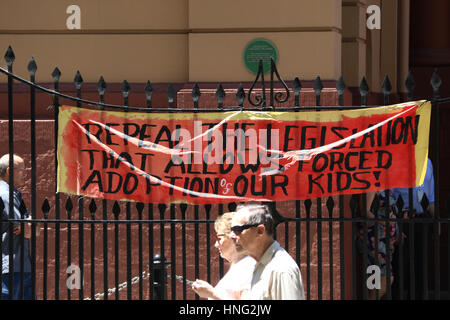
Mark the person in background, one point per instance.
(380, 237)
(417, 253)
(20, 212)
(237, 279)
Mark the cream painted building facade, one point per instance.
(185, 41)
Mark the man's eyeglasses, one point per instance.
(238, 229)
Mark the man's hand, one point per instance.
(203, 289)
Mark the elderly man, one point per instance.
(276, 275)
(20, 212)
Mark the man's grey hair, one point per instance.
(259, 214)
(4, 163)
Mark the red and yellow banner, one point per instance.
(218, 157)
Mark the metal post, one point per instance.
(159, 278)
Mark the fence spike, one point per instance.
(32, 67)
(353, 204)
(363, 87)
(78, 80)
(148, 93)
(318, 85)
(69, 205)
(101, 86)
(183, 208)
(9, 56)
(92, 207)
(196, 95)
(363, 90)
(171, 95)
(386, 86)
(125, 88)
(330, 204)
(139, 207)
(400, 203)
(208, 208)
(220, 95)
(425, 203)
(340, 86)
(46, 208)
(56, 74)
(410, 84)
(116, 209)
(436, 82)
(240, 95)
(296, 86)
(162, 207)
(277, 217)
(308, 204)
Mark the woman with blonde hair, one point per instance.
(237, 279)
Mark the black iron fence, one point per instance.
(97, 249)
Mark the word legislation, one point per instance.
(219, 157)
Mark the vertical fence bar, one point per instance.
(410, 85)
(308, 204)
(342, 247)
(9, 57)
(353, 208)
(105, 249)
(92, 209)
(330, 207)
(196, 245)
(140, 208)
(363, 92)
(163, 279)
(69, 207)
(436, 83)
(208, 241)
(151, 251)
(78, 80)
(32, 69)
(45, 211)
(183, 208)
(386, 88)
(148, 97)
(116, 212)
(173, 256)
(296, 88)
(364, 247)
(340, 87)
(101, 88)
(125, 92)
(318, 86)
(56, 74)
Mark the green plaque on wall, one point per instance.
(259, 49)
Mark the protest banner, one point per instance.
(219, 157)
